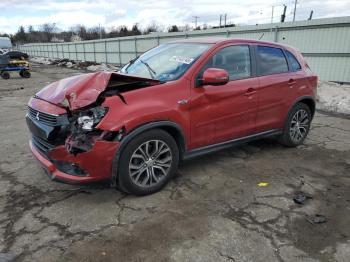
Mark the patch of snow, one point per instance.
(90, 66)
(41, 60)
(102, 67)
(333, 97)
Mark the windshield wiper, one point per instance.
(150, 70)
(130, 63)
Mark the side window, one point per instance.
(293, 61)
(271, 61)
(234, 59)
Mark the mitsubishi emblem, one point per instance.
(37, 116)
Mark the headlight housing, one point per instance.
(88, 119)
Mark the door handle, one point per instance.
(291, 82)
(250, 91)
(182, 102)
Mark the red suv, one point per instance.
(174, 102)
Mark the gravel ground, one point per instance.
(213, 210)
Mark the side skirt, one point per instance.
(227, 144)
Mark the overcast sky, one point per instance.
(109, 13)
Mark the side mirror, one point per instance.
(215, 76)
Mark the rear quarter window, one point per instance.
(293, 61)
(271, 60)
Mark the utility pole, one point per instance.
(220, 21)
(195, 22)
(272, 14)
(283, 16)
(225, 17)
(295, 9)
(311, 13)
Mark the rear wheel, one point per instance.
(297, 126)
(5, 75)
(148, 162)
(25, 74)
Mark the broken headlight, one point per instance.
(88, 119)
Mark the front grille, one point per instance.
(45, 118)
(42, 145)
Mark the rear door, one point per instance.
(275, 82)
(225, 112)
(298, 76)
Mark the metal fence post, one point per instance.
(84, 51)
(276, 34)
(106, 56)
(120, 53)
(94, 45)
(135, 46)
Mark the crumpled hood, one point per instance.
(81, 90)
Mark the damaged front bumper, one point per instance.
(64, 158)
(95, 165)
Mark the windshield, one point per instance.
(166, 62)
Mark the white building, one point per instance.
(75, 38)
(5, 43)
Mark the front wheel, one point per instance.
(5, 75)
(148, 162)
(297, 126)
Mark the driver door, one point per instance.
(225, 112)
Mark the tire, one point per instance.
(25, 74)
(297, 126)
(143, 171)
(5, 75)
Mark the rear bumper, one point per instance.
(97, 163)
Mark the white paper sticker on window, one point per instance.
(181, 59)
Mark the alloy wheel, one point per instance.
(150, 163)
(299, 126)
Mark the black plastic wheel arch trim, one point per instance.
(138, 130)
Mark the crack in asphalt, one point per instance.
(18, 204)
(21, 198)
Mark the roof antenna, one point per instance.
(261, 36)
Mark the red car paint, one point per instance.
(81, 90)
(205, 115)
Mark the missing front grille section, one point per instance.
(70, 168)
(42, 145)
(80, 142)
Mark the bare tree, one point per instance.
(135, 30)
(48, 30)
(152, 27)
(21, 36)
